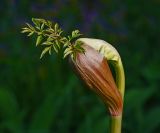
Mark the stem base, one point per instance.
(115, 126)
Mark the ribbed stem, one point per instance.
(116, 121)
(120, 77)
(115, 126)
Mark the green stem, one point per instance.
(115, 124)
(116, 121)
(120, 77)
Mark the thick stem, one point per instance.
(120, 77)
(116, 121)
(115, 126)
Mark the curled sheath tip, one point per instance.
(93, 69)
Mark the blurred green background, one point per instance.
(44, 96)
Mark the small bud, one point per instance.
(95, 72)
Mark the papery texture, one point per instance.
(93, 69)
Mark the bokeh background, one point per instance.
(44, 96)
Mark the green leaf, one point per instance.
(50, 39)
(39, 39)
(66, 54)
(55, 48)
(79, 43)
(31, 33)
(47, 43)
(69, 38)
(37, 21)
(50, 34)
(50, 51)
(67, 50)
(48, 23)
(45, 51)
(24, 30)
(73, 55)
(78, 46)
(63, 40)
(30, 26)
(57, 43)
(60, 32)
(42, 26)
(56, 27)
(75, 33)
(66, 44)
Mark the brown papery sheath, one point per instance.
(93, 69)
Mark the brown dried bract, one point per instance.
(93, 69)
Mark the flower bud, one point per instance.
(93, 69)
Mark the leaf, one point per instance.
(73, 55)
(75, 33)
(78, 46)
(47, 43)
(60, 32)
(56, 27)
(49, 39)
(66, 54)
(48, 23)
(24, 30)
(50, 34)
(39, 39)
(36, 21)
(50, 51)
(63, 40)
(79, 43)
(30, 26)
(31, 33)
(57, 43)
(45, 51)
(55, 48)
(69, 38)
(42, 26)
(66, 44)
(67, 50)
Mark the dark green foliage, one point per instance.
(44, 96)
